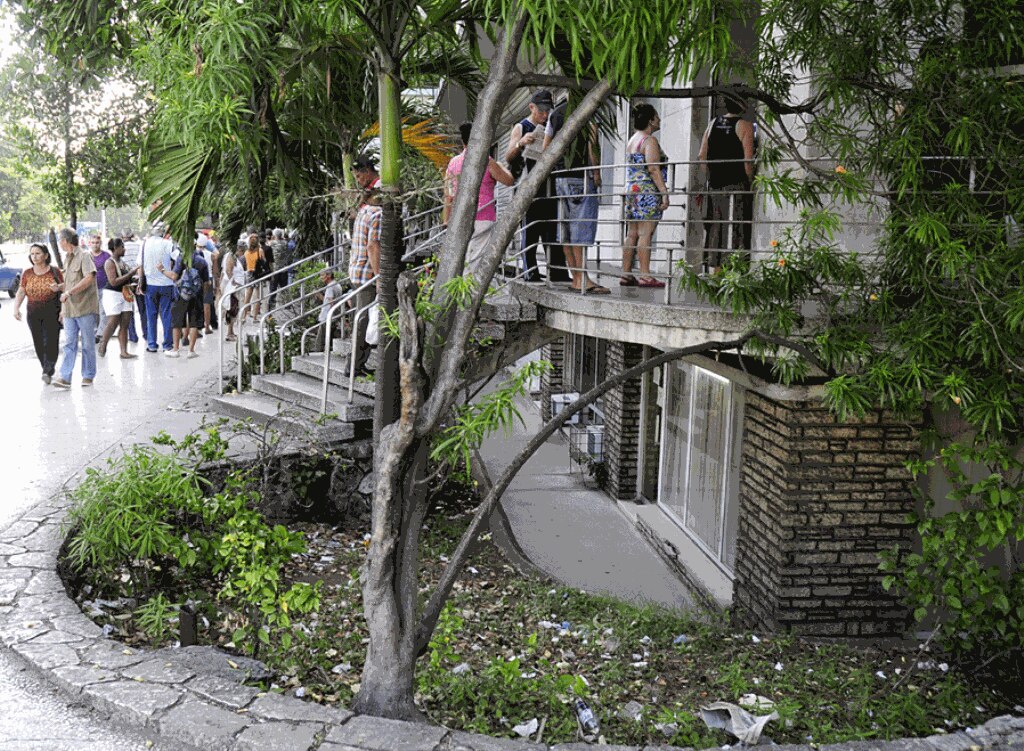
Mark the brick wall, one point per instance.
(819, 500)
(552, 381)
(622, 423)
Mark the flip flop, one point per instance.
(648, 282)
(597, 289)
(128, 356)
(628, 281)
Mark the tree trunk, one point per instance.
(390, 106)
(390, 587)
(69, 185)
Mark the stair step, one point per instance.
(305, 390)
(312, 365)
(262, 408)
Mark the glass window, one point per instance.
(700, 456)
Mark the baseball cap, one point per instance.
(542, 100)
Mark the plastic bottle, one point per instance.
(588, 721)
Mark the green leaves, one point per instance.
(474, 422)
(175, 177)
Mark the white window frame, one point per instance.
(716, 557)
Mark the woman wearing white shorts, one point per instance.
(116, 306)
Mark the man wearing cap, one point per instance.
(526, 143)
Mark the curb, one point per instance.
(183, 707)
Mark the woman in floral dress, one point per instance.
(646, 195)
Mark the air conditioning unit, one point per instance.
(560, 402)
(595, 442)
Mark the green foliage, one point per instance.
(156, 617)
(149, 521)
(475, 421)
(972, 551)
(80, 153)
(919, 139)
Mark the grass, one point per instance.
(510, 648)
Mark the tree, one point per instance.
(918, 114)
(78, 128)
(24, 209)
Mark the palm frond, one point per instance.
(423, 137)
(174, 178)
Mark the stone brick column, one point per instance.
(552, 382)
(819, 500)
(622, 423)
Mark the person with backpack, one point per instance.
(191, 278)
(41, 284)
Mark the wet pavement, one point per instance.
(47, 437)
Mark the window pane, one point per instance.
(677, 424)
(707, 470)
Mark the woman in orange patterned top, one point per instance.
(42, 284)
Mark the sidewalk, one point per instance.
(575, 534)
(51, 436)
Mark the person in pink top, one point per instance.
(487, 209)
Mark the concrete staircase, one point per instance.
(292, 400)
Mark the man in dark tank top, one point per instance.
(540, 225)
(727, 153)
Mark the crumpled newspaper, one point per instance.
(733, 719)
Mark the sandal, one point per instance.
(649, 282)
(628, 281)
(597, 289)
(230, 338)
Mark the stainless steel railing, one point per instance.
(224, 303)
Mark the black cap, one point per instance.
(542, 100)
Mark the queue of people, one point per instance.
(563, 217)
(97, 293)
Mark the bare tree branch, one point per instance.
(456, 335)
(450, 575)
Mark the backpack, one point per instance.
(190, 284)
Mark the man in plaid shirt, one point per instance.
(364, 262)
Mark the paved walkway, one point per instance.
(50, 436)
(575, 534)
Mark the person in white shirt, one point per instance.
(331, 294)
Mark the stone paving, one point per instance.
(194, 699)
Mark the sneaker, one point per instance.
(152, 350)
(61, 383)
(192, 355)
(87, 382)
(47, 378)
(172, 353)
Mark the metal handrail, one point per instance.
(344, 299)
(277, 309)
(238, 339)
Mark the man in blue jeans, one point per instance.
(80, 309)
(157, 265)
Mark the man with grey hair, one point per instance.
(157, 265)
(80, 308)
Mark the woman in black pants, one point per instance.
(41, 284)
